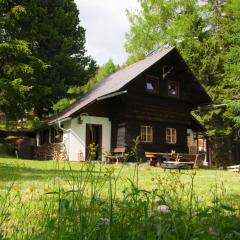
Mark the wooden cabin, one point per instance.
(152, 98)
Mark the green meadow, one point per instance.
(62, 200)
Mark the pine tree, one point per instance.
(17, 64)
(54, 32)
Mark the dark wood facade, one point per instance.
(156, 94)
(139, 107)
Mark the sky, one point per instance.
(106, 23)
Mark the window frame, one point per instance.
(176, 86)
(147, 134)
(154, 80)
(172, 136)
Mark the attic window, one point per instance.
(173, 89)
(152, 84)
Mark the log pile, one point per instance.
(55, 151)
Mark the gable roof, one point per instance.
(115, 82)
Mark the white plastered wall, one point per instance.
(75, 136)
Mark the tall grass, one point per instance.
(87, 204)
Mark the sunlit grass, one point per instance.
(42, 173)
(97, 201)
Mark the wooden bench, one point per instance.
(234, 168)
(117, 156)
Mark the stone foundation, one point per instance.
(55, 151)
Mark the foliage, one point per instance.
(17, 64)
(91, 201)
(207, 35)
(50, 31)
(77, 91)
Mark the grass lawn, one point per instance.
(95, 201)
(43, 174)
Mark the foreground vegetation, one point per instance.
(52, 200)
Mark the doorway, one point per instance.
(93, 142)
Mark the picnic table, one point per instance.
(173, 160)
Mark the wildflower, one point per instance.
(194, 172)
(46, 190)
(104, 221)
(32, 189)
(195, 166)
(163, 209)
(103, 147)
(17, 189)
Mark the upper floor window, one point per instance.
(171, 135)
(173, 88)
(146, 134)
(152, 83)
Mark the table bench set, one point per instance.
(164, 160)
(173, 160)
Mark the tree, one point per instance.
(17, 64)
(207, 35)
(50, 31)
(75, 92)
(53, 30)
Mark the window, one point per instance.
(173, 89)
(171, 135)
(146, 134)
(152, 84)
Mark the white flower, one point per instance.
(163, 209)
(104, 221)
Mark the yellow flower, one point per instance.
(46, 190)
(194, 172)
(103, 147)
(195, 166)
(32, 189)
(17, 189)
